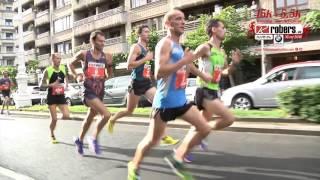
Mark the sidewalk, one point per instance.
(260, 125)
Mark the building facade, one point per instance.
(7, 33)
(64, 26)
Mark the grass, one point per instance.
(263, 113)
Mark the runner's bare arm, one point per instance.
(236, 58)
(163, 68)
(109, 66)
(78, 58)
(201, 52)
(135, 52)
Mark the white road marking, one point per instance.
(14, 175)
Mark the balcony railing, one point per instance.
(81, 4)
(28, 16)
(39, 2)
(43, 39)
(42, 18)
(29, 36)
(105, 19)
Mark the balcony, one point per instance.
(30, 55)
(44, 60)
(81, 4)
(150, 10)
(43, 39)
(23, 2)
(112, 45)
(29, 36)
(190, 3)
(5, 40)
(42, 18)
(28, 16)
(66, 58)
(7, 53)
(39, 2)
(62, 36)
(110, 18)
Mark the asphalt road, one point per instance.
(25, 149)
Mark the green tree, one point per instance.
(312, 20)
(119, 58)
(236, 36)
(32, 66)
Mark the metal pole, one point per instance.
(263, 65)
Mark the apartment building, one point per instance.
(7, 33)
(64, 26)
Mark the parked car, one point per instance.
(116, 92)
(35, 93)
(73, 94)
(262, 92)
(191, 89)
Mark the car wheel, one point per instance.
(242, 101)
(69, 102)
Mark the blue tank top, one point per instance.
(171, 90)
(137, 73)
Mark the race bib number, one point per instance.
(216, 74)
(58, 90)
(147, 71)
(181, 79)
(4, 87)
(96, 70)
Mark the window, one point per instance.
(62, 24)
(9, 35)
(8, 22)
(9, 48)
(10, 62)
(290, 4)
(283, 75)
(122, 82)
(309, 72)
(64, 47)
(114, 34)
(137, 3)
(109, 84)
(9, 8)
(62, 3)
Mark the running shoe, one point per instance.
(133, 173)
(110, 125)
(94, 145)
(168, 140)
(204, 145)
(188, 158)
(79, 145)
(54, 140)
(178, 168)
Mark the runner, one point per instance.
(55, 79)
(5, 87)
(94, 62)
(139, 62)
(213, 61)
(170, 100)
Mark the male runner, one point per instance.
(170, 100)
(95, 63)
(55, 79)
(139, 62)
(5, 86)
(213, 61)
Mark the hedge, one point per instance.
(301, 101)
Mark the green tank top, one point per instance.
(51, 70)
(212, 65)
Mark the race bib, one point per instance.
(4, 87)
(181, 78)
(96, 70)
(59, 90)
(216, 74)
(147, 71)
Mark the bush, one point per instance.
(302, 101)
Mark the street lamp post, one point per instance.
(22, 99)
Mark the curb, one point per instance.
(258, 129)
(271, 120)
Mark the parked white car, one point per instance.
(262, 92)
(36, 95)
(191, 89)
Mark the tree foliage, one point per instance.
(32, 66)
(312, 20)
